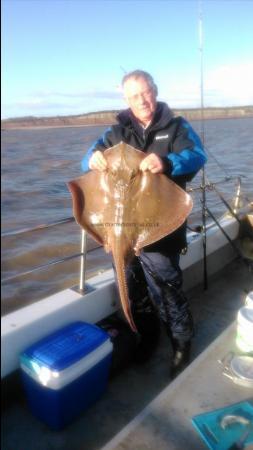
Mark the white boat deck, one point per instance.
(165, 424)
(130, 392)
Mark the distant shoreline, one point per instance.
(45, 127)
(106, 118)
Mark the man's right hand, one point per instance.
(98, 161)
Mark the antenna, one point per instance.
(202, 134)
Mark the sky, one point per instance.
(67, 57)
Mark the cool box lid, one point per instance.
(66, 346)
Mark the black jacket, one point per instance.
(174, 140)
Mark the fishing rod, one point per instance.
(247, 262)
(232, 212)
(210, 185)
(204, 184)
(123, 69)
(202, 134)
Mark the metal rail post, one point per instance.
(83, 261)
(237, 197)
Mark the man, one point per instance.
(172, 148)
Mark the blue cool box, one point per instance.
(66, 372)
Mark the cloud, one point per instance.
(48, 103)
(231, 85)
(226, 85)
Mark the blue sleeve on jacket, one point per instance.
(100, 144)
(86, 158)
(191, 158)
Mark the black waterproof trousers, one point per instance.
(155, 275)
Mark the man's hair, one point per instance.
(135, 74)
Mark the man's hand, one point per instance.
(98, 161)
(153, 163)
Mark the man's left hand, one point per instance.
(153, 163)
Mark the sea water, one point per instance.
(37, 164)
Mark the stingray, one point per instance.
(125, 209)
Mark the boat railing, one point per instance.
(82, 254)
(83, 246)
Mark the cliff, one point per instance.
(108, 117)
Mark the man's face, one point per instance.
(141, 99)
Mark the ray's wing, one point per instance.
(90, 203)
(161, 207)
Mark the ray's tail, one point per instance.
(119, 262)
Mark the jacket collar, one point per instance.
(162, 117)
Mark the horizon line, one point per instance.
(113, 111)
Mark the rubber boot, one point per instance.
(181, 357)
(181, 354)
